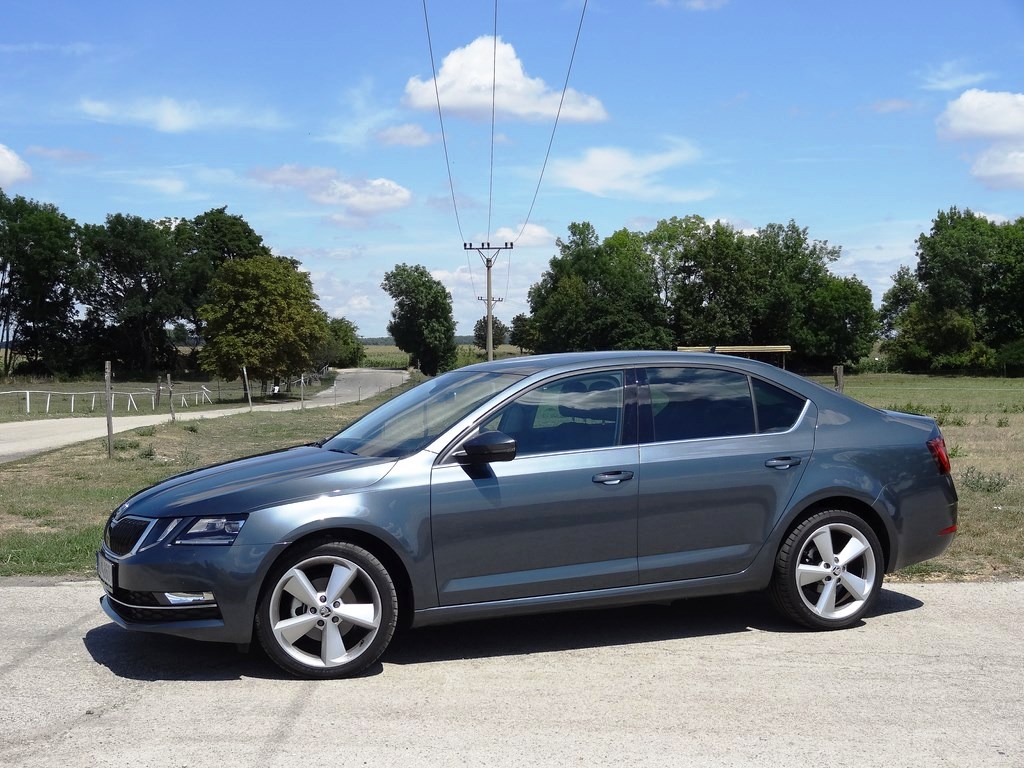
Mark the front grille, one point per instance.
(122, 535)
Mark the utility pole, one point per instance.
(488, 260)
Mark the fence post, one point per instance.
(156, 396)
(28, 402)
(302, 391)
(837, 374)
(110, 409)
(170, 396)
(248, 391)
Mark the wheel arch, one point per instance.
(854, 506)
(376, 546)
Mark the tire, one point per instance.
(828, 571)
(327, 611)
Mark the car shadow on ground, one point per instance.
(141, 656)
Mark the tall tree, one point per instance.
(896, 301)
(131, 294)
(599, 295)
(840, 323)
(204, 243)
(521, 333)
(422, 323)
(341, 347)
(499, 332)
(262, 314)
(40, 276)
(709, 280)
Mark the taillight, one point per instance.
(938, 448)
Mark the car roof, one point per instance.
(527, 365)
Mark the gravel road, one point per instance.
(934, 678)
(25, 438)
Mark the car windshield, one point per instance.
(413, 419)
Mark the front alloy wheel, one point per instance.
(828, 571)
(328, 612)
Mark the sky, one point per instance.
(318, 123)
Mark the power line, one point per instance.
(565, 87)
(547, 153)
(494, 87)
(444, 141)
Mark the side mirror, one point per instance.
(487, 447)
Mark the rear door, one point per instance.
(721, 455)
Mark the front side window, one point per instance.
(571, 414)
(694, 403)
(415, 418)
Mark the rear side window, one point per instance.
(692, 403)
(777, 409)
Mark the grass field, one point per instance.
(52, 507)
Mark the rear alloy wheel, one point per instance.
(328, 612)
(828, 572)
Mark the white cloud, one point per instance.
(360, 197)
(533, 235)
(169, 115)
(617, 172)
(977, 114)
(951, 76)
(997, 117)
(464, 84)
(407, 135)
(12, 168)
(1000, 167)
(363, 117)
(995, 218)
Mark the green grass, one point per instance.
(53, 506)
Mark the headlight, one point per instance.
(212, 530)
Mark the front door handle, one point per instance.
(613, 478)
(782, 462)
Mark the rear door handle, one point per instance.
(782, 462)
(613, 478)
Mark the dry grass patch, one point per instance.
(53, 506)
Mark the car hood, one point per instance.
(260, 481)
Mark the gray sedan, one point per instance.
(537, 484)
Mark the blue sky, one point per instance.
(318, 124)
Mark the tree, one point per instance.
(262, 314)
(40, 277)
(499, 332)
(203, 244)
(521, 334)
(841, 324)
(970, 273)
(131, 292)
(896, 301)
(599, 295)
(422, 323)
(341, 347)
(708, 280)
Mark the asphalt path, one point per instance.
(933, 678)
(25, 438)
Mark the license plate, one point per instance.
(105, 570)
